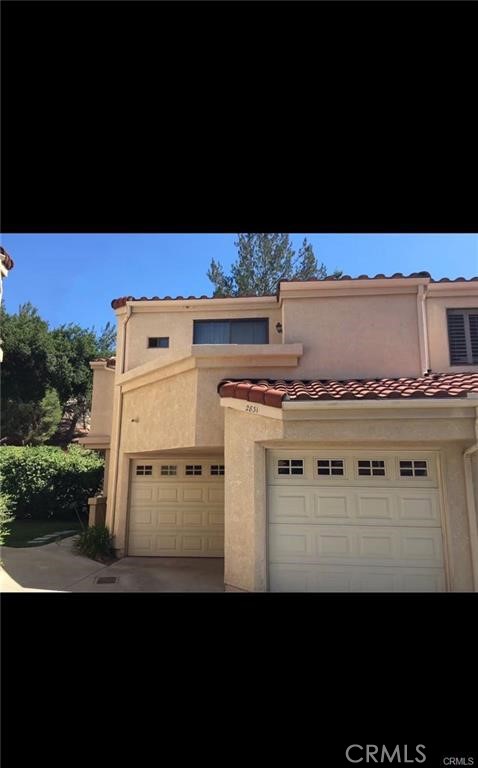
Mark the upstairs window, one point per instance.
(155, 342)
(463, 336)
(242, 331)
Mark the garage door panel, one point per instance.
(358, 544)
(215, 495)
(330, 578)
(167, 494)
(313, 506)
(332, 505)
(424, 507)
(193, 494)
(375, 506)
(289, 504)
(423, 546)
(143, 494)
(144, 516)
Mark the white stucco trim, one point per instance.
(210, 305)
(254, 409)
(332, 405)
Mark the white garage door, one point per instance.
(354, 522)
(177, 508)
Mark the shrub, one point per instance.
(95, 542)
(7, 507)
(46, 482)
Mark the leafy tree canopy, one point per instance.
(29, 354)
(46, 373)
(263, 260)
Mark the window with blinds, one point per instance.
(240, 331)
(463, 336)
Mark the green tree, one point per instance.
(72, 376)
(263, 261)
(29, 355)
(44, 370)
(106, 341)
(74, 348)
(31, 423)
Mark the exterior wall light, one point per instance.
(279, 327)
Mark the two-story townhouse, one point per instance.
(322, 439)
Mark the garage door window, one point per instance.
(193, 469)
(290, 467)
(168, 470)
(144, 469)
(330, 467)
(371, 468)
(413, 469)
(217, 469)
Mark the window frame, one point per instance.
(147, 470)
(363, 476)
(193, 473)
(413, 469)
(290, 466)
(330, 475)
(465, 312)
(231, 321)
(158, 346)
(168, 472)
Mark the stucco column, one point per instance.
(245, 558)
(106, 470)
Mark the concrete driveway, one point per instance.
(58, 568)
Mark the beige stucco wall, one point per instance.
(102, 401)
(245, 481)
(178, 326)
(354, 336)
(438, 331)
(164, 414)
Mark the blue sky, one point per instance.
(72, 278)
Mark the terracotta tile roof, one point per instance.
(395, 276)
(7, 260)
(110, 361)
(436, 385)
(121, 302)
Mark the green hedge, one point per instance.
(7, 508)
(47, 482)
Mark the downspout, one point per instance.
(423, 329)
(471, 505)
(129, 310)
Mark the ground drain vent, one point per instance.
(107, 580)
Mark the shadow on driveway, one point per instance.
(58, 568)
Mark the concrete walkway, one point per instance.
(57, 567)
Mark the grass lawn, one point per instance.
(23, 531)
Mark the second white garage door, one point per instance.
(177, 508)
(354, 522)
